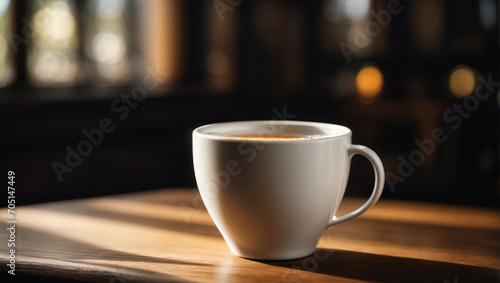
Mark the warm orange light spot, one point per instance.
(369, 82)
(462, 81)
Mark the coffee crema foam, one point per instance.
(271, 137)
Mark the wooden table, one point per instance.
(167, 235)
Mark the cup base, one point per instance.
(274, 255)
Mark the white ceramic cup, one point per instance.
(273, 198)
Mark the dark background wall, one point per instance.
(264, 57)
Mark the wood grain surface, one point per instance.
(167, 235)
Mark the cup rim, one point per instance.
(330, 131)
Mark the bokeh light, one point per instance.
(4, 4)
(110, 8)
(108, 47)
(106, 42)
(7, 72)
(3, 49)
(354, 10)
(369, 82)
(53, 58)
(56, 25)
(462, 81)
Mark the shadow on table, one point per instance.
(381, 268)
(52, 258)
(467, 240)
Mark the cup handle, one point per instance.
(378, 168)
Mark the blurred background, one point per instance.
(100, 97)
